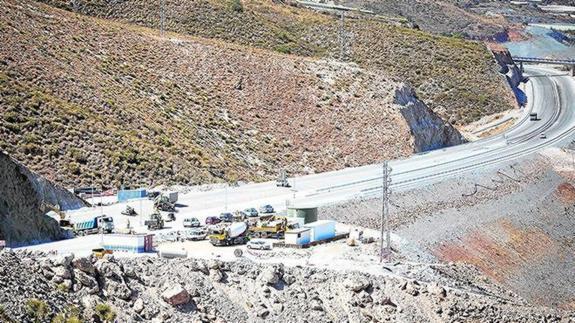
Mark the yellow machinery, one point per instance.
(274, 227)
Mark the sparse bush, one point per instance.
(62, 287)
(237, 6)
(37, 309)
(4, 317)
(105, 312)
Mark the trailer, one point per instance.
(101, 223)
(133, 243)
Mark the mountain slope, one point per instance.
(87, 101)
(458, 79)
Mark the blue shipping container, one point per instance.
(124, 195)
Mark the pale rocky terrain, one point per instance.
(515, 223)
(150, 289)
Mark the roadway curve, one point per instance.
(551, 94)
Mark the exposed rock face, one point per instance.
(512, 72)
(23, 197)
(428, 130)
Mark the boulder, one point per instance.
(62, 272)
(269, 276)
(138, 305)
(63, 260)
(357, 284)
(84, 264)
(176, 295)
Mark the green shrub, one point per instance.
(105, 312)
(37, 309)
(237, 6)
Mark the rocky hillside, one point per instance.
(25, 197)
(456, 78)
(87, 101)
(190, 290)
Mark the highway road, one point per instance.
(551, 94)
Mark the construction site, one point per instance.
(287, 161)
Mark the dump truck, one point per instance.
(274, 227)
(94, 225)
(229, 234)
(156, 222)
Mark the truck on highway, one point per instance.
(533, 116)
(229, 234)
(93, 225)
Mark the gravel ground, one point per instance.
(160, 290)
(515, 224)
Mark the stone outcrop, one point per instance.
(512, 72)
(428, 130)
(25, 198)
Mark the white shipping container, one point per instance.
(124, 242)
(321, 230)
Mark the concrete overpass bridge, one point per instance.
(552, 61)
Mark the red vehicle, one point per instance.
(212, 220)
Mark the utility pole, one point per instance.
(342, 35)
(162, 17)
(385, 251)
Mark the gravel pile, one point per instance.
(189, 290)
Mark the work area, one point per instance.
(172, 224)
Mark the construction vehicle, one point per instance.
(129, 211)
(275, 227)
(282, 179)
(102, 223)
(156, 222)
(163, 203)
(101, 252)
(229, 234)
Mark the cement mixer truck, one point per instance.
(229, 234)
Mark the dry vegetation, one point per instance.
(88, 101)
(457, 78)
(97, 101)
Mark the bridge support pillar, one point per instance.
(521, 67)
(573, 70)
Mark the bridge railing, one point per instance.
(543, 60)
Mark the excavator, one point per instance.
(129, 211)
(162, 202)
(155, 222)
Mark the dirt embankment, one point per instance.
(25, 198)
(515, 223)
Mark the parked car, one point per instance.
(266, 209)
(226, 217)
(259, 244)
(251, 212)
(197, 234)
(191, 223)
(212, 220)
(543, 135)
